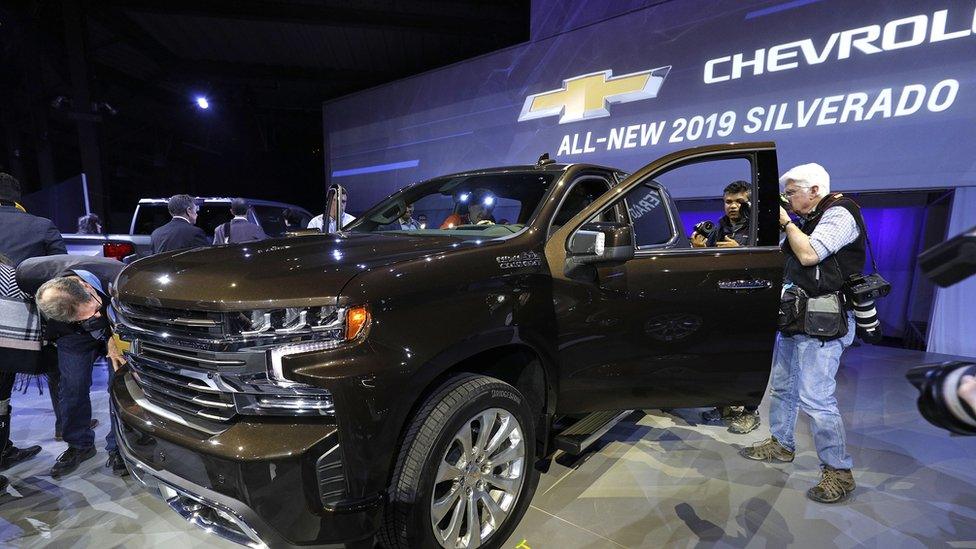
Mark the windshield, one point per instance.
(474, 206)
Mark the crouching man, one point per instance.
(72, 293)
(822, 252)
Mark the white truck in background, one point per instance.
(151, 213)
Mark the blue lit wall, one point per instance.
(881, 92)
(467, 115)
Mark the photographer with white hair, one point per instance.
(823, 250)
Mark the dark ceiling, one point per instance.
(265, 67)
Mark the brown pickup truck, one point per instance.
(404, 385)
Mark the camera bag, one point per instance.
(792, 311)
(825, 317)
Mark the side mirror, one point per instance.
(600, 242)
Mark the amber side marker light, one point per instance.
(357, 318)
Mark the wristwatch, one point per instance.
(783, 226)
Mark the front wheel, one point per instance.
(464, 476)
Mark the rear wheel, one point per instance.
(465, 474)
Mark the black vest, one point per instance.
(830, 274)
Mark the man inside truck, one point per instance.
(479, 204)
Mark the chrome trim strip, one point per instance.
(176, 394)
(193, 322)
(191, 358)
(148, 372)
(135, 392)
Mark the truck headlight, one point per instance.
(326, 322)
(350, 323)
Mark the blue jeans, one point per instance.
(803, 378)
(76, 356)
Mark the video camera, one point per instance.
(938, 384)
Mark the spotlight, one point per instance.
(203, 103)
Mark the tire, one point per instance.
(433, 463)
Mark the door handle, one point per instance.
(747, 285)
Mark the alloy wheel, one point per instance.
(479, 478)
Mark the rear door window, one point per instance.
(272, 219)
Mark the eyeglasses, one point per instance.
(790, 192)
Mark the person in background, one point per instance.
(238, 229)
(23, 235)
(317, 222)
(293, 219)
(406, 221)
(89, 224)
(422, 220)
(480, 204)
(181, 232)
(20, 346)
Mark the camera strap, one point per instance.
(867, 242)
(859, 220)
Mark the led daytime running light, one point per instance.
(277, 373)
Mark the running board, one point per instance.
(582, 434)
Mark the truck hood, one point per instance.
(287, 272)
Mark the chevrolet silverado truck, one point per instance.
(151, 213)
(405, 387)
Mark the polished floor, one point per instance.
(655, 480)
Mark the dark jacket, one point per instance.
(830, 274)
(178, 234)
(725, 228)
(240, 230)
(34, 272)
(23, 235)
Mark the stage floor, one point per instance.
(653, 481)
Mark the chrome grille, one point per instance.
(196, 364)
(168, 379)
(173, 322)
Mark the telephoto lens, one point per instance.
(866, 318)
(938, 399)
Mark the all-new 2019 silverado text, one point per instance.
(405, 387)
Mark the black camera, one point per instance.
(938, 399)
(938, 384)
(862, 288)
(704, 228)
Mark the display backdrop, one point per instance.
(879, 92)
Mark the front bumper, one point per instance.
(254, 483)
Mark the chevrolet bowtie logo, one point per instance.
(587, 96)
